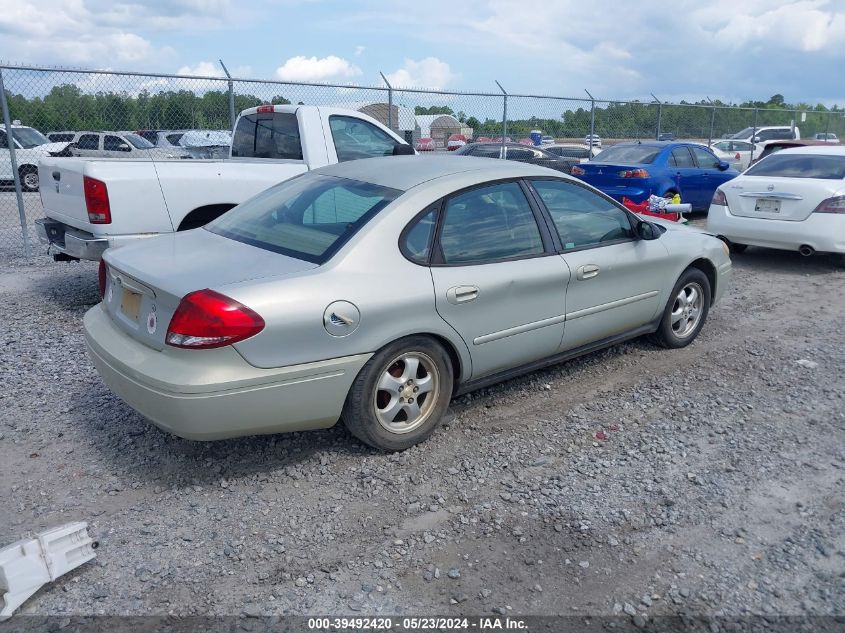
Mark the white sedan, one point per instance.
(737, 153)
(792, 200)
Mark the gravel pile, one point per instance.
(635, 481)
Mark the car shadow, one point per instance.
(786, 262)
(67, 285)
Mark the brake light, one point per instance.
(737, 156)
(96, 200)
(265, 108)
(836, 204)
(633, 173)
(719, 198)
(206, 319)
(101, 278)
(577, 171)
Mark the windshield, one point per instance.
(800, 166)
(28, 137)
(636, 154)
(308, 217)
(138, 141)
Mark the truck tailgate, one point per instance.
(135, 198)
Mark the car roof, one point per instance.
(406, 172)
(821, 148)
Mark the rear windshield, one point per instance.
(569, 152)
(637, 154)
(800, 166)
(267, 135)
(309, 217)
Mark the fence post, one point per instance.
(504, 116)
(753, 134)
(592, 120)
(659, 116)
(827, 125)
(14, 160)
(712, 123)
(389, 102)
(231, 96)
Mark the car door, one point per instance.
(616, 278)
(497, 279)
(88, 145)
(687, 175)
(355, 138)
(5, 158)
(711, 175)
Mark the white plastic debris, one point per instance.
(27, 565)
(809, 364)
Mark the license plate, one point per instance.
(130, 304)
(766, 205)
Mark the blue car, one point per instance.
(638, 170)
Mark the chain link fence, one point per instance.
(170, 117)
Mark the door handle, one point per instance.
(587, 271)
(461, 294)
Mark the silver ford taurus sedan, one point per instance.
(374, 291)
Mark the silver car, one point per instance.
(374, 291)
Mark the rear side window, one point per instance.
(417, 239)
(267, 135)
(489, 224)
(356, 138)
(88, 141)
(800, 166)
(681, 158)
(309, 217)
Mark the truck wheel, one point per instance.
(29, 177)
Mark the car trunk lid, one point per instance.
(777, 198)
(146, 281)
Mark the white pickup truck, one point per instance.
(94, 204)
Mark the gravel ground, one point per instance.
(714, 485)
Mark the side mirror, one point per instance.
(403, 150)
(123, 147)
(722, 165)
(756, 139)
(647, 230)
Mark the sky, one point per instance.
(733, 50)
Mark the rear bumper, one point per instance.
(62, 238)
(215, 394)
(823, 232)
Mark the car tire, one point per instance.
(29, 177)
(383, 409)
(686, 311)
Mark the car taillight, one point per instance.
(577, 171)
(101, 278)
(836, 204)
(206, 319)
(737, 156)
(265, 108)
(96, 200)
(633, 173)
(719, 198)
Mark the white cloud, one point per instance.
(359, 50)
(425, 73)
(301, 68)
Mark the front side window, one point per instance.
(485, 151)
(489, 224)
(355, 138)
(115, 144)
(517, 153)
(267, 135)
(138, 141)
(174, 139)
(309, 217)
(581, 217)
(825, 167)
(88, 141)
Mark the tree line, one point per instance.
(68, 107)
